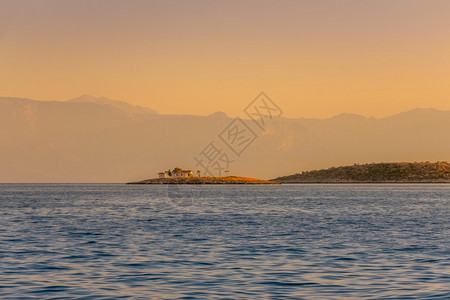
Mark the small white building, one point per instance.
(184, 173)
(163, 174)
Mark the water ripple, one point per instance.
(289, 241)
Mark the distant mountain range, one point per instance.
(89, 139)
(121, 105)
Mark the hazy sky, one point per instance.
(314, 58)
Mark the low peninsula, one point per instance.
(181, 176)
(205, 180)
(400, 172)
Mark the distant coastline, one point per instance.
(205, 180)
(401, 172)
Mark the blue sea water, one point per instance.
(99, 241)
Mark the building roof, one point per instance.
(182, 171)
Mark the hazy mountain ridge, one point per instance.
(86, 141)
(124, 106)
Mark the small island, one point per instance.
(180, 176)
(401, 172)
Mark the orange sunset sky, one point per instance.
(314, 58)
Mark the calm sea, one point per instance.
(98, 241)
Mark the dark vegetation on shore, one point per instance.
(425, 172)
(204, 180)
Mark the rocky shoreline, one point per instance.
(400, 172)
(364, 182)
(205, 180)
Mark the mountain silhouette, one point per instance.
(132, 109)
(89, 139)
